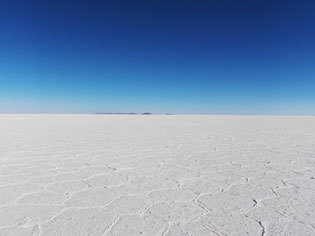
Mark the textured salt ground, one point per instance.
(156, 175)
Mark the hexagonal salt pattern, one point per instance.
(156, 175)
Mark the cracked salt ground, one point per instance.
(156, 175)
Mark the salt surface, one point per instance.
(156, 175)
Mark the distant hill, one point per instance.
(122, 113)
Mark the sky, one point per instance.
(178, 57)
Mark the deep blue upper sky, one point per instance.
(201, 57)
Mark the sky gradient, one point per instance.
(179, 57)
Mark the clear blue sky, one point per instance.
(200, 57)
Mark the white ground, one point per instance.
(156, 175)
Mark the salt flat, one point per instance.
(157, 175)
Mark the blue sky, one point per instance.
(190, 57)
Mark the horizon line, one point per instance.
(155, 114)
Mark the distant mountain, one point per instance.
(122, 113)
